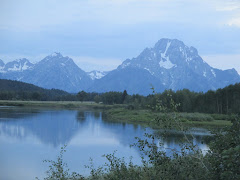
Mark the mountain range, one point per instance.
(54, 71)
(170, 64)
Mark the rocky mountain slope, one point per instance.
(54, 71)
(170, 64)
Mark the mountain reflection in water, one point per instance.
(28, 136)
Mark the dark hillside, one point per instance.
(15, 90)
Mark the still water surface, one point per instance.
(29, 136)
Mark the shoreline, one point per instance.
(119, 113)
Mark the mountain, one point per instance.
(97, 74)
(54, 71)
(18, 65)
(1, 65)
(170, 64)
(134, 80)
(14, 70)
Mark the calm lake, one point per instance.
(29, 136)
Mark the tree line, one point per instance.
(220, 101)
(15, 90)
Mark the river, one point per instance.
(30, 135)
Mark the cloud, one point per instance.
(234, 22)
(32, 15)
(232, 5)
(227, 8)
(230, 11)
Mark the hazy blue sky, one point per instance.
(96, 33)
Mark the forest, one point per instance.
(220, 101)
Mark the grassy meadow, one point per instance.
(147, 117)
(120, 113)
(58, 104)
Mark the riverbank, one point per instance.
(148, 118)
(119, 113)
(59, 104)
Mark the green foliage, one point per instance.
(124, 95)
(221, 101)
(222, 161)
(114, 97)
(115, 168)
(224, 154)
(82, 96)
(97, 99)
(58, 170)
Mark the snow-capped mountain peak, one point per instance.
(53, 56)
(169, 64)
(18, 65)
(177, 66)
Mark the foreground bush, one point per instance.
(221, 162)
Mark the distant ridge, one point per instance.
(170, 64)
(54, 71)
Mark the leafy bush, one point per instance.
(58, 170)
(221, 162)
(224, 156)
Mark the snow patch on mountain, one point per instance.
(97, 74)
(124, 65)
(213, 72)
(15, 68)
(152, 73)
(163, 55)
(18, 65)
(205, 74)
(188, 59)
(25, 66)
(166, 63)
